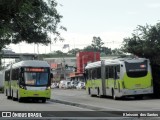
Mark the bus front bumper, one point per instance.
(35, 93)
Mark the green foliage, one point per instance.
(144, 42)
(89, 48)
(97, 43)
(117, 52)
(106, 50)
(74, 51)
(29, 21)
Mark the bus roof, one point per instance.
(93, 65)
(114, 62)
(31, 63)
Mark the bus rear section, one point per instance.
(136, 78)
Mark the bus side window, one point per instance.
(111, 72)
(94, 73)
(89, 74)
(99, 73)
(106, 72)
(117, 71)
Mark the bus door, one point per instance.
(93, 78)
(103, 77)
(116, 76)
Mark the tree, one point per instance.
(88, 48)
(74, 51)
(97, 43)
(29, 21)
(106, 50)
(144, 42)
(117, 51)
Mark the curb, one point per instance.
(92, 108)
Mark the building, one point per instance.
(62, 67)
(73, 67)
(82, 58)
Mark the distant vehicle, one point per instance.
(81, 85)
(61, 84)
(65, 84)
(74, 84)
(28, 79)
(54, 85)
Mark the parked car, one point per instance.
(74, 84)
(81, 85)
(65, 84)
(54, 85)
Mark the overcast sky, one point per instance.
(112, 20)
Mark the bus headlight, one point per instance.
(48, 88)
(23, 87)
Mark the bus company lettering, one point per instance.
(130, 114)
(34, 115)
(14, 114)
(152, 114)
(148, 114)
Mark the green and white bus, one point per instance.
(119, 78)
(28, 79)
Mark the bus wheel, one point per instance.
(44, 100)
(98, 93)
(89, 91)
(13, 96)
(19, 100)
(139, 97)
(6, 93)
(113, 95)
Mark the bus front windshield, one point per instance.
(36, 78)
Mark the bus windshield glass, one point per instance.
(36, 76)
(136, 69)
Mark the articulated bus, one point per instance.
(119, 78)
(28, 79)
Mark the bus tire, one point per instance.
(19, 100)
(17, 95)
(113, 95)
(99, 94)
(89, 91)
(139, 97)
(13, 96)
(44, 100)
(6, 93)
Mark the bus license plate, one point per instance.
(138, 85)
(36, 94)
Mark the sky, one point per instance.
(111, 20)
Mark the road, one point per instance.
(10, 105)
(72, 101)
(81, 99)
(49, 110)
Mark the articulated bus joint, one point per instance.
(123, 84)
